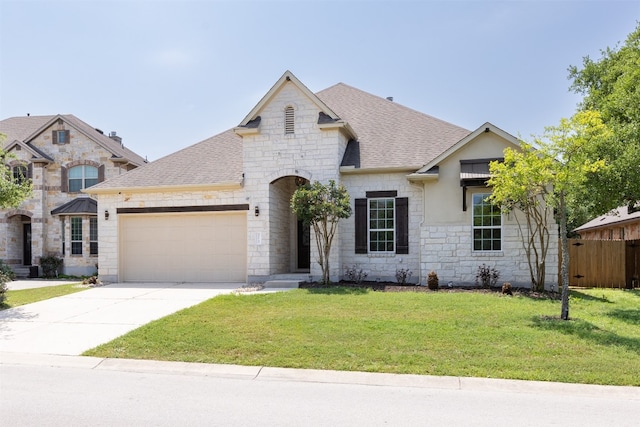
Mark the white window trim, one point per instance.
(481, 227)
(84, 177)
(81, 236)
(369, 229)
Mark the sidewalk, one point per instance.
(260, 373)
(17, 285)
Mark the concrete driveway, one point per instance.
(72, 324)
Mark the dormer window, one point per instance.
(60, 137)
(288, 121)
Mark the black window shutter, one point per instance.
(54, 136)
(64, 181)
(30, 171)
(361, 225)
(402, 225)
(101, 173)
(67, 136)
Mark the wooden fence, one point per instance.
(604, 263)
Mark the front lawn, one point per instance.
(435, 333)
(28, 296)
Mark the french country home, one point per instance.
(219, 210)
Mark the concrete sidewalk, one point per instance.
(72, 324)
(260, 373)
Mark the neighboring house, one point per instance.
(220, 211)
(621, 224)
(62, 155)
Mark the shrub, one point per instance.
(355, 274)
(3, 287)
(402, 275)
(7, 271)
(432, 281)
(487, 276)
(51, 266)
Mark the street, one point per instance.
(60, 395)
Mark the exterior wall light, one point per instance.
(106, 215)
(257, 211)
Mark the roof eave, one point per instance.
(340, 125)
(352, 170)
(229, 185)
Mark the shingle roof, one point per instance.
(389, 135)
(620, 215)
(215, 160)
(27, 127)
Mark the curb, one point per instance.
(260, 373)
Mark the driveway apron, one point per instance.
(72, 324)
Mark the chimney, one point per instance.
(113, 135)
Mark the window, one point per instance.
(82, 177)
(64, 234)
(487, 224)
(20, 173)
(60, 136)
(288, 121)
(381, 225)
(93, 236)
(76, 236)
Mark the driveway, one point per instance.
(72, 324)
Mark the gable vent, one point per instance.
(288, 121)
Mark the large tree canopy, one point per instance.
(611, 86)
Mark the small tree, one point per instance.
(12, 191)
(322, 206)
(521, 183)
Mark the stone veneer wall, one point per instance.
(46, 230)
(108, 229)
(447, 249)
(383, 266)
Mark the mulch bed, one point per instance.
(395, 287)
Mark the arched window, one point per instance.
(288, 121)
(83, 176)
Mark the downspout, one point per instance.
(424, 210)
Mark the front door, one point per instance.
(304, 246)
(26, 244)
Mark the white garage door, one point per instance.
(186, 247)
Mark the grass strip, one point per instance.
(20, 297)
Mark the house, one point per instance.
(62, 155)
(621, 224)
(219, 210)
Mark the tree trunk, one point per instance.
(564, 265)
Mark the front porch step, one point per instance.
(21, 272)
(289, 280)
(282, 283)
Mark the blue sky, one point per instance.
(168, 74)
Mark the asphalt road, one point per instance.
(59, 395)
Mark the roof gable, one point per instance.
(36, 154)
(25, 129)
(485, 128)
(286, 78)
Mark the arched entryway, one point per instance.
(19, 246)
(290, 243)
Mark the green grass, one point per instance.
(435, 333)
(28, 296)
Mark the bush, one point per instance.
(7, 271)
(51, 266)
(3, 287)
(487, 276)
(432, 281)
(355, 274)
(402, 275)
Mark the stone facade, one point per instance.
(51, 233)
